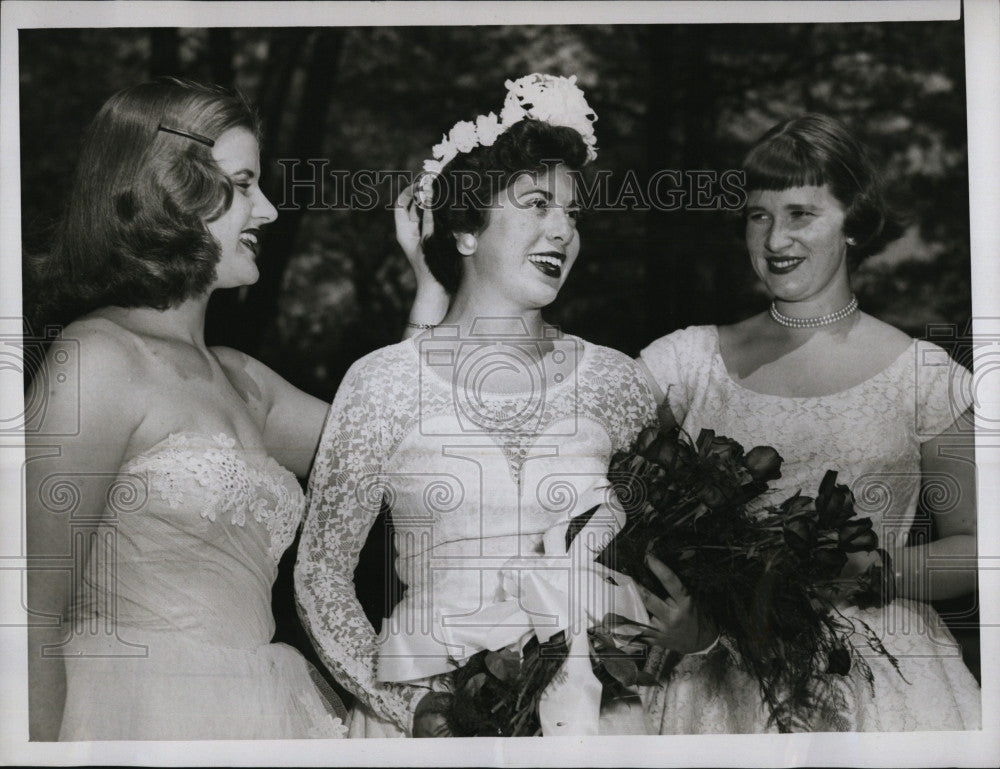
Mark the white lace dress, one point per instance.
(172, 640)
(870, 434)
(473, 479)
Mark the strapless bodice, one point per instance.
(190, 542)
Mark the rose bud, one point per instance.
(830, 560)
(660, 446)
(798, 505)
(764, 463)
(839, 508)
(835, 502)
(666, 453)
(826, 486)
(857, 536)
(652, 449)
(799, 532)
(654, 494)
(645, 438)
(712, 495)
(874, 589)
(725, 449)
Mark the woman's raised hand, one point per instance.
(679, 625)
(412, 226)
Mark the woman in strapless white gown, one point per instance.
(161, 472)
(832, 388)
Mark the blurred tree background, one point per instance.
(335, 286)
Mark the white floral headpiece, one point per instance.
(555, 100)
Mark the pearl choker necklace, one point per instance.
(823, 320)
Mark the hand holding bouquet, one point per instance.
(769, 578)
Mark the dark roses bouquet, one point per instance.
(768, 577)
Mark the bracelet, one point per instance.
(422, 326)
(892, 577)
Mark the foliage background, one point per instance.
(334, 285)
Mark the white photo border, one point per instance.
(982, 29)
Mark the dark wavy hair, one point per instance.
(471, 182)
(817, 150)
(133, 233)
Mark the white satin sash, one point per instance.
(562, 590)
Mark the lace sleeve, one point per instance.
(344, 500)
(633, 396)
(669, 358)
(943, 390)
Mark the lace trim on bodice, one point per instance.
(231, 483)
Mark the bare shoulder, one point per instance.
(105, 354)
(94, 368)
(103, 336)
(232, 359)
(251, 378)
(290, 420)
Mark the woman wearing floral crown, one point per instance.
(485, 434)
(833, 388)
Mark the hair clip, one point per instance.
(186, 134)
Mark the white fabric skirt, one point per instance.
(185, 690)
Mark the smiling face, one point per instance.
(237, 231)
(797, 243)
(530, 241)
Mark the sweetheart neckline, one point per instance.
(218, 441)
